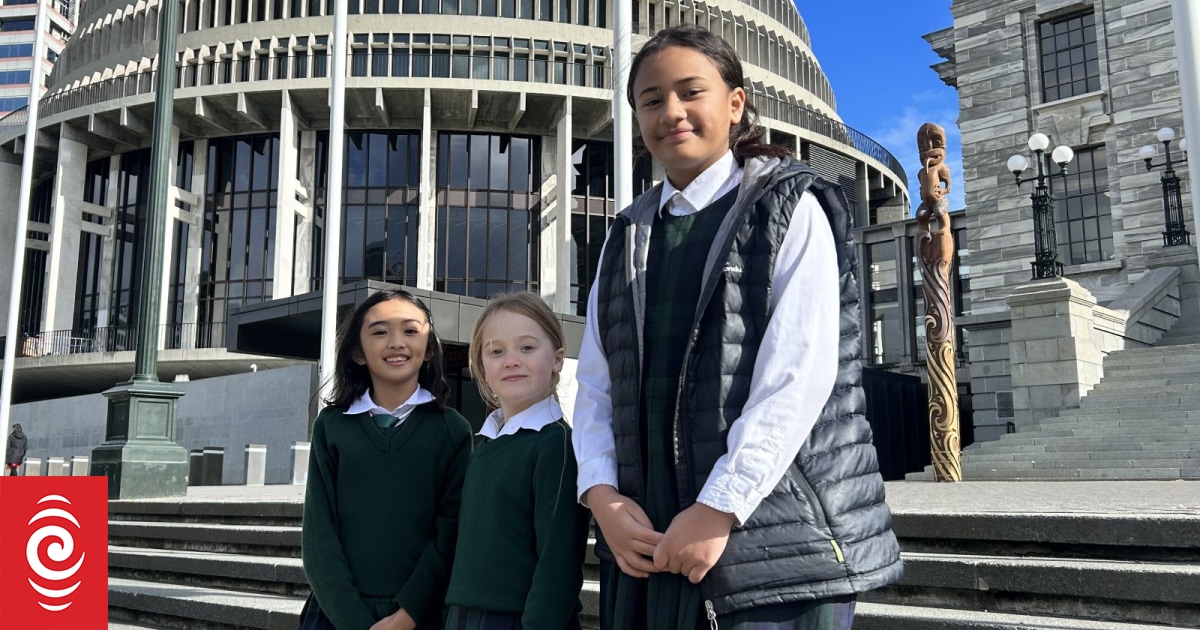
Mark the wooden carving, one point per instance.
(935, 254)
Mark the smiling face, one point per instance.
(519, 360)
(393, 344)
(685, 111)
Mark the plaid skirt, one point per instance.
(313, 618)
(624, 605)
(459, 618)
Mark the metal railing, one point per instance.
(119, 339)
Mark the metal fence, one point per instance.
(119, 339)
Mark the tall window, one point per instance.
(487, 214)
(1070, 58)
(592, 210)
(383, 171)
(129, 248)
(91, 251)
(1083, 219)
(887, 341)
(238, 249)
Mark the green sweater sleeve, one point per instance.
(560, 536)
(321, 548)
(425, 589)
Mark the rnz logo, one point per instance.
(54, 550)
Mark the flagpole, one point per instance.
(622, 112)
(333, 203)
(18, 266)
(1186, 18)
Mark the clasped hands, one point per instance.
(691, 546)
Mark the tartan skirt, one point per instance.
(459, 618)
(625, 605)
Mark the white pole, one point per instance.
(1186, 18)
(622, 111)
(333, 197)
(18, 267)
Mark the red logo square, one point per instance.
(54, 553)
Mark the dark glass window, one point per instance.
(887, 342)
(1070, 59)
(487, 214)
(381, 201)
(592, 211)
(238, 244)
(1082, 216)
(128, 249)
(33, 292)
(87, 287)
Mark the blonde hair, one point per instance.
(530, 305)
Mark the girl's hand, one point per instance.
(694, 542)
(626, 529)
(399, 620)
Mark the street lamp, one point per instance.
(1046, 264)
(1176, 233)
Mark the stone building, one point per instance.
(1099, 76)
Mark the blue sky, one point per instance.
(878, 65)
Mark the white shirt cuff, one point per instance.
(597, 472)
(731, 494)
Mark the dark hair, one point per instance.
(351, 380)
(745, 137)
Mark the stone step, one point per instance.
(1111, 421)
(1150, 351)
(1138, 390)
(1084, 431)
(1181, 362)
(1034, 450)
(270, 513)
(1100, 455)
(259, 574)
(1160, 379)
(1036, 439)
(187, 607)
(1124, 591)
(1141, 411)
(873, 616)
(1047, 462)
(1189, 338)
(184, 606)
(257, 540)
(1084, 474)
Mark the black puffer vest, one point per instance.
(825, 529)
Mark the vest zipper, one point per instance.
(837, 551)
(811, 496)
(711, 613)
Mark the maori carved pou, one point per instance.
(935, 253)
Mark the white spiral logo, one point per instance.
(59, 551)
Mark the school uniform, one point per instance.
(738, 283)
(381, 511)
(522, 536)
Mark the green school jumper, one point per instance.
(522, 534)
(381, 514)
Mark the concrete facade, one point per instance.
(545, 76)
(995, 58)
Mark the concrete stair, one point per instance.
(1142, 421)
(222, 565)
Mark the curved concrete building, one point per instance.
(479, 159)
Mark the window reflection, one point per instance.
(487, 210)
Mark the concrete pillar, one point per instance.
(195, 467)
(300, 453)
(79, 466)
(427, 212)
(862, 210)
(256, 464)
(56, 467)
(10, 180)
(302, 267)
(195, 242)
(169, 244)
(285, 213)
(1056, 355)
(560, 225)
(212, 468)
(62, 268)
(109, 243)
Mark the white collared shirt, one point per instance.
(539, 415)
(793, 374)
(365, 404)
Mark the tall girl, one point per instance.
(719, 421)
(386, 474)
(519, 563)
